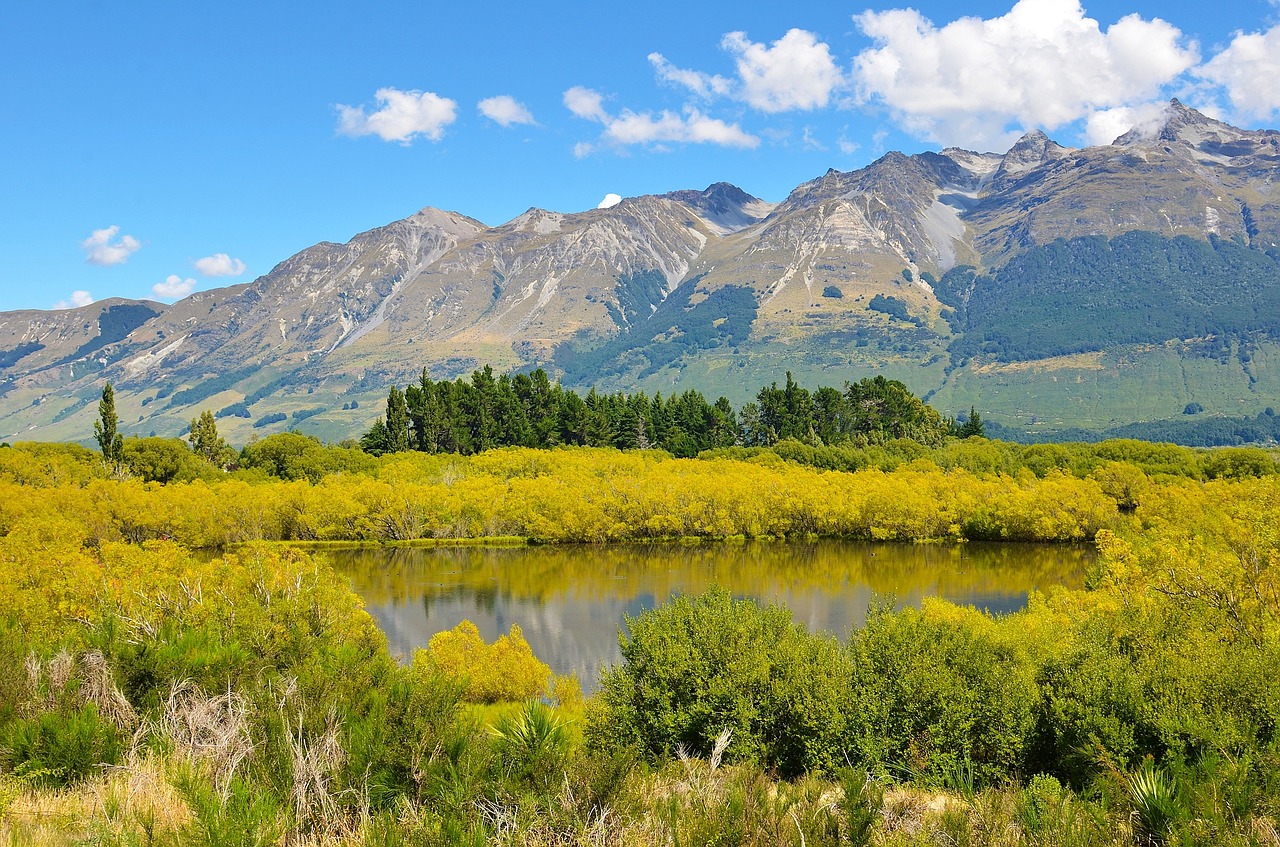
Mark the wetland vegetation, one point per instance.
(171, 674)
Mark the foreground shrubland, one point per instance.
(150, 695)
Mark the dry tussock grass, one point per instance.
(209, 732)
(46, 681)
(132, 798)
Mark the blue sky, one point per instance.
(148, 148)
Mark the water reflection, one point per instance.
(571, 601)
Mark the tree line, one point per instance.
(528, 410)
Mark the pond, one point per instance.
(571, 601)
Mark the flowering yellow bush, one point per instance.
(505, 670)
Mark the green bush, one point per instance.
(61, 747)
(700, 665)
(291, 455)
(247, 816)
(165, 460)
(938, 697)
(1238, 463)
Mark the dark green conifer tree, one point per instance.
(972, 426)
(397, 422)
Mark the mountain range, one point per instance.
(1052, 288)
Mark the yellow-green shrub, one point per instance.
(502, 671)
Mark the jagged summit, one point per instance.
(724, 206)
(1179, 123)
(1029, 152)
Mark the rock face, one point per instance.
(712, 289)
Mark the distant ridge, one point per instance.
(1053, 288)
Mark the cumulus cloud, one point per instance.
(219, 264)
(796, 72)
(174, 287)
(402, 116)
(505, 110)
(609, 201)
(103, 248)
(75, 301)
(1247, 70)
(585, 103)
(977, 82)
(630, 128)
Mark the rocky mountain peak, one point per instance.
(452, 223)
(724, 206)
(1181, 124)
(535, 220)
(1029, 152)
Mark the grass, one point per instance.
(1141, 383)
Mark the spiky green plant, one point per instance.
(1155, 803)
(533, 731)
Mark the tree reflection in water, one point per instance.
(572, 600)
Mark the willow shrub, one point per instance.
(700, 665)
(941, 689)
(503, 671)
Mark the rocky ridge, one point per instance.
(805, 275)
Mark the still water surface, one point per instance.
(572, 601)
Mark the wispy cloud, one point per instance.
(505, 110)
(402, 116)
(75, 301)
(700, 84)
(649, 128)
(219, 264)
(105, 249)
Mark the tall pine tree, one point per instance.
(397, 422)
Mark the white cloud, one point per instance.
(796, 72)
(174, 287)
(505, 110)
(219, 264)
(75, 301)
(103, 248)
(609, 201)
(1106, 126)
(693, 127)
(977, 82)
(1247, 69)
(585, 103)
(403, 116)
(847, 146)
(702, 84)
(628, 127)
